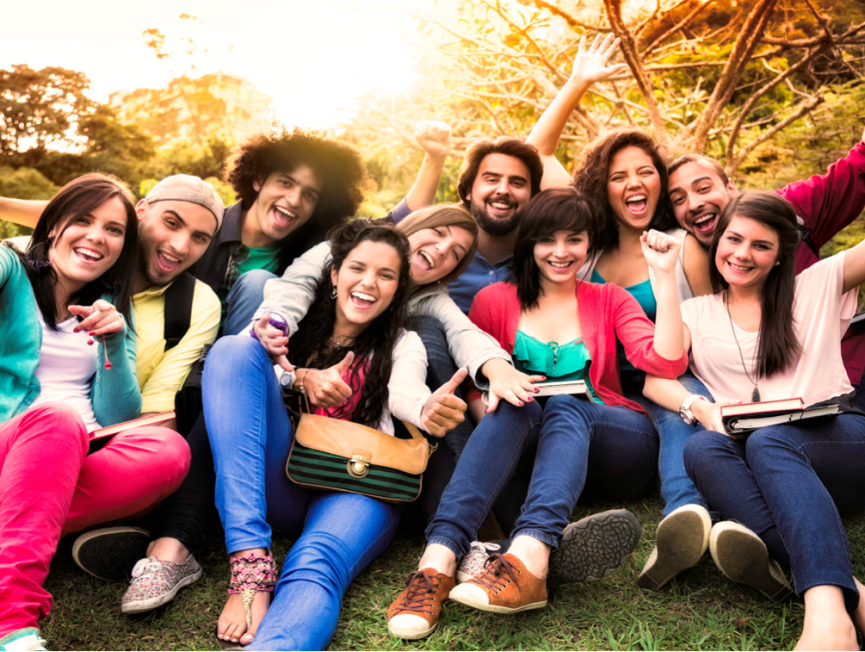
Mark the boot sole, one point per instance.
(110, 553)
(594, 547)
(682, 540)
(742, 556)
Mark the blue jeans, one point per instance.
(440, 369)
(787, 483)
(244, 298)
(339, 533)
(578, 442)
(677, 488)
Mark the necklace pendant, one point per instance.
(755, 395)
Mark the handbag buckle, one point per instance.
(358, 466)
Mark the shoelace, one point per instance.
(484, 546)
(497, 570)
(420, 586)
(142, 566)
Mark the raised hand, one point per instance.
(99, 319)
(593, 64)
(325, 387)
(508, 383)
(434, 138)
(444, 410)
(660, 251)
(274, 341)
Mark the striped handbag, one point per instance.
(337, 455)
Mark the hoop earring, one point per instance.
(333, 293)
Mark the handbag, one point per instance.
(337, 455)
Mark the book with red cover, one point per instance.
(741, 419)
(152, 420)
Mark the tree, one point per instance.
(38, 108)
(715, 76)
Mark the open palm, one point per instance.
(593, 64)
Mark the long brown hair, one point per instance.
(74, 200)
(777, 346)
(439, 216)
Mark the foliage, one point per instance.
(23, 183)
(721, 77)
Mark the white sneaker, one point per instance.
(22, 640)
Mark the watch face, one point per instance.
(687, 418)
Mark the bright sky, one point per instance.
(312, 56)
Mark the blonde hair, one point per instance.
(443, 215)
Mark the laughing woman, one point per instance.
(67, 368)
(771, 335)
(356, 363)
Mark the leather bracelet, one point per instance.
(300, 380)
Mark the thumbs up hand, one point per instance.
(444, 410)
(325, 387)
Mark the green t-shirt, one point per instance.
(245, 260)
(555, 361)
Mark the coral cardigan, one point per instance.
(607, 312)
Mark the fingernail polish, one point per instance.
(530, 399)
(92, 334)
(521, 404)
(90, 341)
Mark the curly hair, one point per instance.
(76, 199)
(373, 348)
(590, 178)
(337, 165)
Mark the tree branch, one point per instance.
(687, 20)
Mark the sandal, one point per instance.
(249, 574)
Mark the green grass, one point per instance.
(699, 610)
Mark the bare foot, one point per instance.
(231, 625)
(827, 624)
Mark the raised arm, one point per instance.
(661, 252)
(23, 212)
(590, 65)
(435, 139)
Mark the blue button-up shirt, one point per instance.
(476, 277)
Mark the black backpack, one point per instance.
(178, 315)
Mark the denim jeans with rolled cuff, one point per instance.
(579, 443)
(789, 484)
(339, 534)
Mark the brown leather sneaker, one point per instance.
(505, 587)
(415, 613)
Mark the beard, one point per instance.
(492, 226)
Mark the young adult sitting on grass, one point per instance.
(603, 441)
(67, 369)
(355, 362)
(769, 334)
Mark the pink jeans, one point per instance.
(50, 487)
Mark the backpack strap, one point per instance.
(178, 309)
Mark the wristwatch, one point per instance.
(286, 380)
(685, 409)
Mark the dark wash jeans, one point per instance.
(579, 443)
(788, 484)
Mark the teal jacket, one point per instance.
(114, 392)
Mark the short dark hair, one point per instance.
(590, 178)
(555, 209)
(75, 199)
(337, 165)
(506, 145)
(778, 346)
(698, 158)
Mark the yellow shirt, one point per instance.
(161, 374)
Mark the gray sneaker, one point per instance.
(593, 547)
(156, 582)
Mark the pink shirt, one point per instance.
(821, 316)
